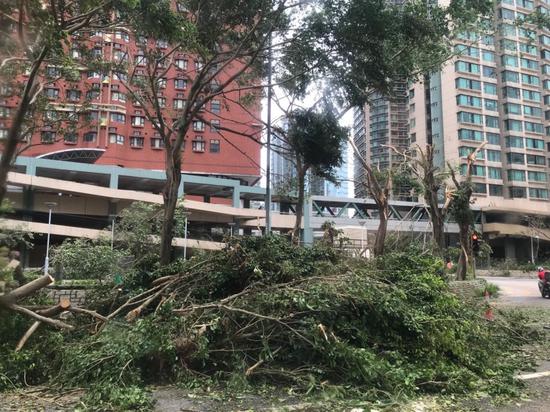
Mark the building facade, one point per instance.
(496, 90)
(109, 128)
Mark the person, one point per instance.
(540, 272)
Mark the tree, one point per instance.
(314, 142)
(462, 213)
(431, 179)
(40, 36)
(229, 42)
(42, 42)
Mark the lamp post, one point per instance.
(185, 236)
(363, 223)
(231, 226)
(50, 206)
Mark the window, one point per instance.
(507, 14)
(73, 95)
(529, 64)
(181, 64)
(120, 56)
(537, 176)
(512, 108)
(215, 125)
(480, 188)
(468, 134)
(526, 4)
(532, 111)
(507, 44)
(488, 56)
(70, 138)
(161, 83)
(495, 190)
(530, 79)
(178, 104)
(180, 83)
(493, 138)
(162, 44)
(515, 158)
(516, 175)
(535, 160)
(136, 141)
(52, 71)
(116, 95)
(478, 170)
(488, 40)
(514, 141)
(462, 66)
(52, 93)
(534, 144)
(531, 95)
(214, 146)
(494, 173)
(92, 94)
(90, 137)
(528, 34)
(464, 50)
(491, 121)
(161, 101)
(533, 127)
(536, 193)
(198, 126)
(545, 54)
(4, 112)
(493, 156)
(507, 30)
(138, 121)
(489, 72)
(120, 76)
(215, 106)
(140, 60)
(157, 143)
(515, 125)
(528, 48)
(490, 88)
(465, 100)
(116, 138)
(97, 52)
(118, 117)
(465, 151)
(467, 117)
(509, 76)
(47, 137)
(518, 193)
(545, 69)
(198, 144)
(509, 61)
(463, 83)
(511, 92)
(3, 133)
(122, 35)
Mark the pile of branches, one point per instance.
(264, 311)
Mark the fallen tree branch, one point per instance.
(52, 322)
(27, 335)
(25, 290)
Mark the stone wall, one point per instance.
(77, 296)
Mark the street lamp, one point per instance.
(363, 223)
(50, 206)
(231, 226)
(186, 214)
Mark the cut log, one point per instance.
(63, 305)
(25, 290)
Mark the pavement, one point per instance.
(519, 292)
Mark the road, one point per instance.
(519, 291)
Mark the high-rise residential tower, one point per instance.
(496, 90)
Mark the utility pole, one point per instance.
(268, 165)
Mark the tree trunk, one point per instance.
(300, 204)
(170, 197)
(380, 239)
(463, 260)
(9, 151)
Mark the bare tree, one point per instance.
(461, 211)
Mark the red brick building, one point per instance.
(113, 130)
